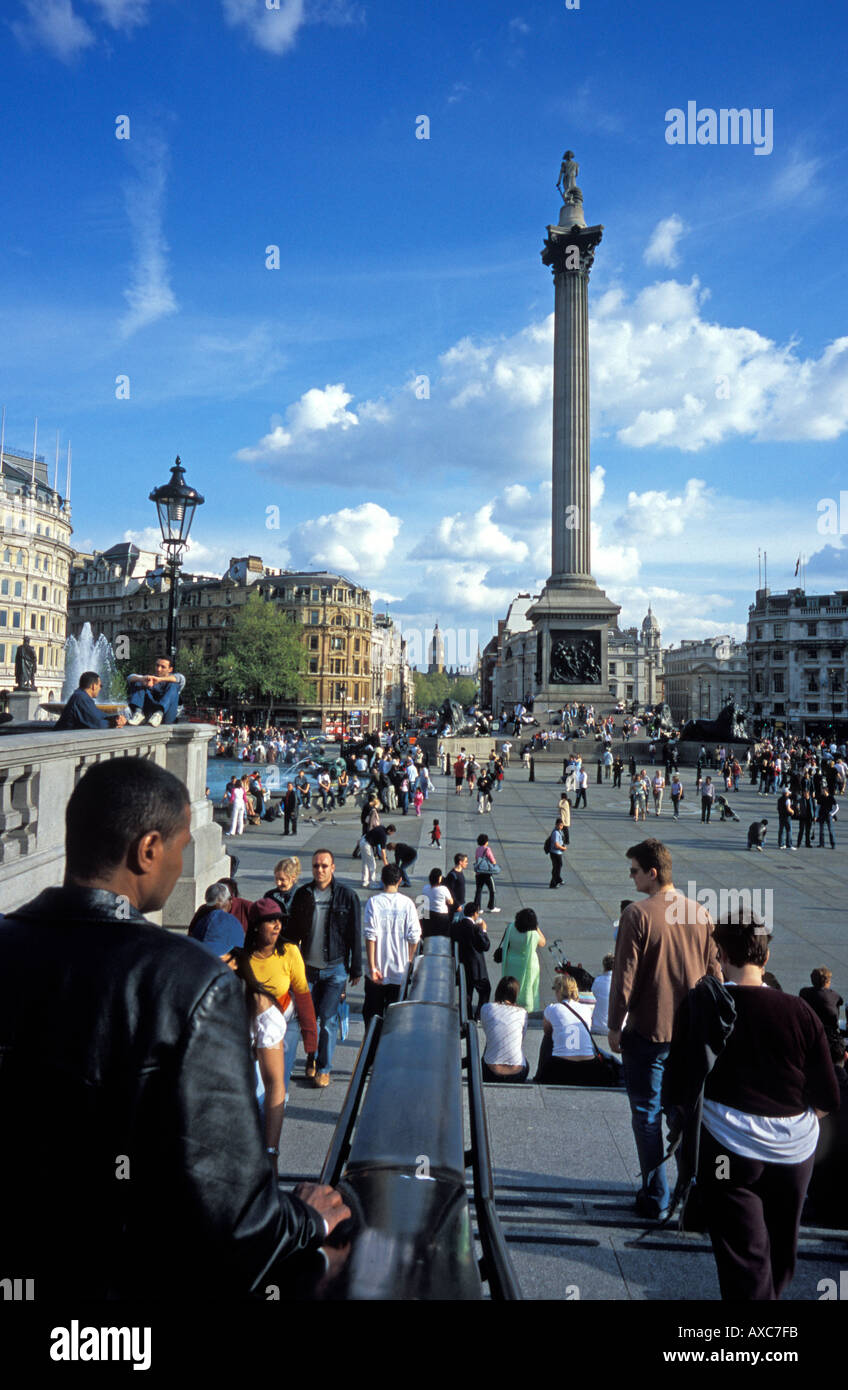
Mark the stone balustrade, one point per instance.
(38, 772)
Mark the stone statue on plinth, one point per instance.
(26, 667)
(568, 171)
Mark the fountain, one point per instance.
(83, 653)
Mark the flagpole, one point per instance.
(2, 438)
(56, 465)
(34, 445)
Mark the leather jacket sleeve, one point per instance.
(238, 1221)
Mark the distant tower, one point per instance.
(652, 647)
(437, 653)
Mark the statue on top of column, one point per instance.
(568, 171)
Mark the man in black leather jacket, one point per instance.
(327, 927)
(133, 1163)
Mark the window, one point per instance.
(628, 670)
(35, 591)
(357, 619)
(42, 623)
(33, 622)
(313, 617)
(337, 644)
(613, 670)
(778, 682)
(778, 630)
(813, 682)
(759, 633)
(778, 654)
(356, 645)
(4, 617)
(313, 664)
(2, 651)
(16, 619)
(41, 656)
(4, 586)
(313, 643)
(316, 594)
(811, 629)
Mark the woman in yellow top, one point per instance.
(271, 972)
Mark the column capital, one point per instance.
(571, 250)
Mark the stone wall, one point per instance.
(38, 772)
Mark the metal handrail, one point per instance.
(496, 1267)
(340, 1144)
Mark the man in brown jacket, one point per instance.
(663, 948)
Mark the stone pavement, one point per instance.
(565, 1162)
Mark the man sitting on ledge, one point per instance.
(155, 699)
(82, 713)
(127, 1069)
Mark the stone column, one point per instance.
(570, 254)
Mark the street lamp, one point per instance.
(176, 504)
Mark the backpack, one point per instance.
(547, 845)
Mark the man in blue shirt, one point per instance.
(81, 712)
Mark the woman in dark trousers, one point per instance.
(483, 875)
(763, 1099)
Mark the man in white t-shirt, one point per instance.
(392, 932)
(601, 991)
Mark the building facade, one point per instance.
(701, 676)
(334, 615)
(101, 582)
(35, 561)
(635, 664)
(798, 659)
(392, 677)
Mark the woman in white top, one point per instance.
(601, 991)
(441, 905)
(572, 1060)
(239, 805)
(504, 1026)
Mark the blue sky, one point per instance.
(717, 299)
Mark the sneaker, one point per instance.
(156, 719)
(322, 1079)
(136, 717)
(494, 909)
(310, 1068)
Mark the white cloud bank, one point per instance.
(662, 248)
(149, 294)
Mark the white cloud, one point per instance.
(657, 515)
(355, 540)
(317, 411)
(149, 294)
(55, 25)
(662, 248)
(274, 30)
(471, 537)
(123, 14)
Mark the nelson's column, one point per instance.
(572, 616)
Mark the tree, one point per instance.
(199, 672)
(264, 655)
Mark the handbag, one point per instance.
(610, 1070)
(499, 952)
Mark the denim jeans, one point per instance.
(404, 872)
(644, 1063)
(327, 987)
(163, 698)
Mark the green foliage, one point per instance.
(433, 688)
(139, 662)
(264, 655)
(200, 673)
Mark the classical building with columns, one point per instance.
(636, 669)
(35, 560)
(701, 676)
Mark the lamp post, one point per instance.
(176, 504)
